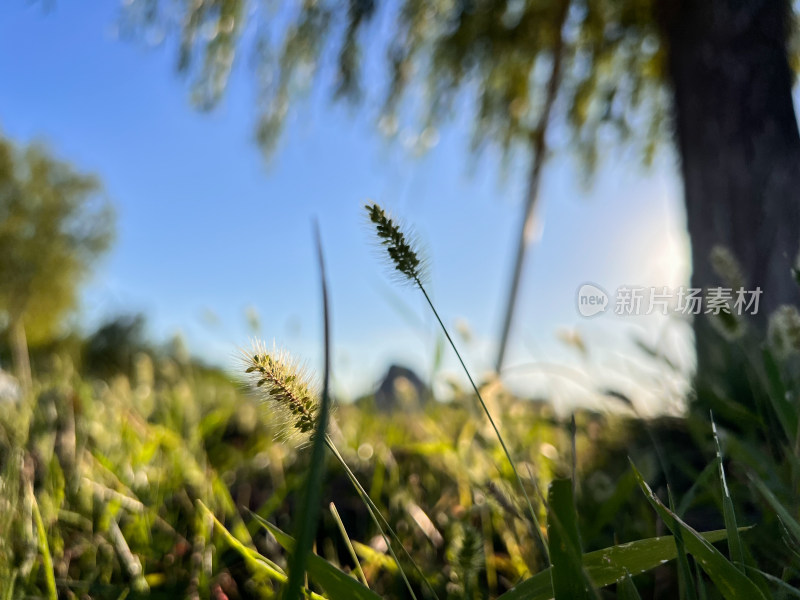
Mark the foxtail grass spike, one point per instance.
(398, 245)
(783, 333)
(286, 386)
(294, 396)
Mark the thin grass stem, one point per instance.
(540, 536)
(359, 571)
(381, 522)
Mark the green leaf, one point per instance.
(336, 583)
(611, 564)
(569, 577)
(732, 583)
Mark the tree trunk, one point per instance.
(739, 147)
(538, 155)
(19, 354)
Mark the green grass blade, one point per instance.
(626, 590)
(340, 524)
(569, 577)
(609, 565)
(789, 522)
(543, 547)
(776, 391)
(375, 557)
(732, 583)
(699, 482)
(254, 561)
(611, 508)
(780, 583)
(685, 580)
(336, 583)
(44, 549)
(734, 541)
(754, 575)
(538, 587)
(702, 594)
(308, 514)
(382, 524)
(9, 589)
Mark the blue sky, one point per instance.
(207, 229)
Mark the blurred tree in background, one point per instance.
(111, 349)
(53, 226)
(594, 72)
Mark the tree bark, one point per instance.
(19, 354)
(739, 147)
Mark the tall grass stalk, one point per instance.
(407, 262)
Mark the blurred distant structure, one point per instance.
(53, 226)
(401, 389)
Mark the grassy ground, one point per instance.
(105, 484)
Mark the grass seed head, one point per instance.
(727, 267)
(783, 332)
(465, 554)
(397, 244)
(286, 386)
